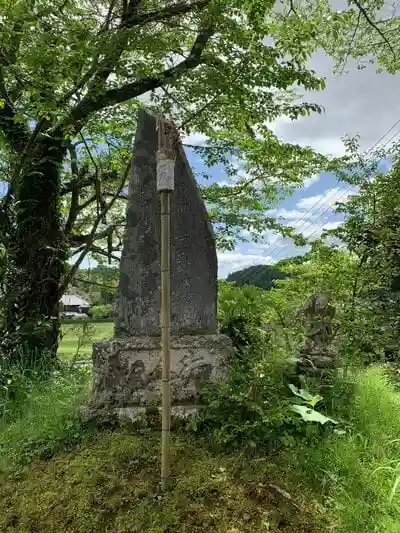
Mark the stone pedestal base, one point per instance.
(127, 374)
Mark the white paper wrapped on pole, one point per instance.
(165, 172)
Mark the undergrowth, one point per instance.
(57, 477)
(248, 464)
(357, 469)
(111, 486)
(43, 419)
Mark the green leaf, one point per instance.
(310, 415)
(314, 400)
(301, 393)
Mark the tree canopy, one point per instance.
(80, 70)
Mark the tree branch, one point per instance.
(161, 15)
(351, 42)
(111, 97)
(106, 67)
(74, 207)
(292, 8)
(89, 244)
(81, 239)
(100, 251)
(373, 25)
(107, 22)
(84, 181)
(74, 160)
(131, 17)
(97, 183)
(87, 282)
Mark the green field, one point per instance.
(77, 338)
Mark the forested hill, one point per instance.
(263, 276)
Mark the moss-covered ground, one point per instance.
(110, 485)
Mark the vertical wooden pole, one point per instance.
(165, 334)
(166, 154)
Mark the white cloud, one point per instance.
(328, 145)
(231, 261)
(195, 139)
(360, 101)
(310, 181)
(290, 214)
(268, 238)
(279, 124)
(315, 228)
(325, 201)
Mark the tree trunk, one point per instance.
(37, 258)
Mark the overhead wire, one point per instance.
(345, 193)
(269, 250)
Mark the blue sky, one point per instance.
(309, 209)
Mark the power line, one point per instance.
(270, 249)
(344, 194)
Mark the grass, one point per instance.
(356, 472)
(58, 475)
(45, 420)
(78, 338)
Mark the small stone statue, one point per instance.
(317, 355)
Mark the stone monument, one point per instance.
(318, 354)
(127, 368)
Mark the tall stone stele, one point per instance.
(127, 368)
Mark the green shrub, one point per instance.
(103, 311)
(241, 315)
(252, 407)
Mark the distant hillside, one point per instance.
(263, 276)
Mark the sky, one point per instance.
(358, 102)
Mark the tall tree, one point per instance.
(72, 73)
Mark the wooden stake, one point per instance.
(165, 334)
(166, 155)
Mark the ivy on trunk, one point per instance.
(37, 253)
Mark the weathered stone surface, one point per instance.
(127, 369)
(318, 354)
(127, 372)
(193, 255)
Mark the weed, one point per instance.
(355, 469)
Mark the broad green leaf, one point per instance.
(310, 415)
(301, 393)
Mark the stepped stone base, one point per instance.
(127, 374)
